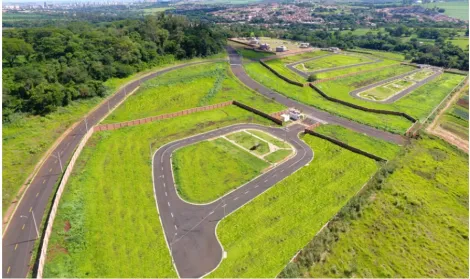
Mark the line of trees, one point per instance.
(48, 67)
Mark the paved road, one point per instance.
(20, 235)
(399, 95)
(189, 228)
(316, 114)
(306, 74)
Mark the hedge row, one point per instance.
(281, 76)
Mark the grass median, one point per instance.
(107, 223)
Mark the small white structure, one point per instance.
(294, 114)
(281, 48)
(254, 42)
(304, 45)
(264, 46)
(285, 117)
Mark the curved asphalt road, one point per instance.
(315, 114)
(399, 95)
(20, 235)
(189, 228)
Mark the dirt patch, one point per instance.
(67, 226)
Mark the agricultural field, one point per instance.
(261, 237)
(418, 103)
(456, 9)
(455, 119)
(460, 42)
(381, 148)
(201, 176)
(412, 224)
(108, 199)
(332, 61)
(196, 86)
(308, 96)
(385, 91)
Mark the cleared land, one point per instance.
(415, 226)
(261, 237)
(418, 103)
(201, 175)
(310, 97)
(195, 86)
(331, 61)
(271, 139)
(387, 90)
(110, 197)
(250, 142)
(374, 146)
(351, 70)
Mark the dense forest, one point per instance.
(48, 67)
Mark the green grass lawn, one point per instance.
(201, 176)
(197, 85)
(278, 155)
(340, 72)
(107, 223)
(277, 142)
(418, 103)
(416, 226)
(381, 148)
(279, 66)
(261, 237)
(332, 61)
(27, 138)
(310, 97)
(457, 9)
(249, 142)
(306, 55)
(387, 90)
(385, 54)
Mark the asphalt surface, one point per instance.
(189, 228)
(20, 235)
(306, 74)
(399, 95)
(316, 114)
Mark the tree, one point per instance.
(312, 78)
(13, 47)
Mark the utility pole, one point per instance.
(108, 106)
(60, 162)
(86, 125)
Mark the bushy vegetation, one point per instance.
(412, 221)
(455, 119)
(197, 85)
(381, 148)
(106, 199)
(49, 67)
(308, 96)
(261, 237)
(201, 176)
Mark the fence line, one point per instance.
(55, 205)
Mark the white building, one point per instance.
(281, 48)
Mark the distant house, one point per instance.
(304, 45)
(281, 48)
(332, 49)
(264, 46)
(254, 42)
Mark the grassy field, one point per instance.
(250, 142)
(340, 72)
(460, 42)
(416, 226)
(385, 54)
(298, 57)
(457, 9)
(197, 85)
(418, 103)
(279, 66)
(156, 10)
(332, 61)
(106, 199)
(27, 138)
(455, 119)
(201, 176)
(278, 155)
(381, 148)
(387, 90)
(261, 237)
(277, 142)
(309, 96)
